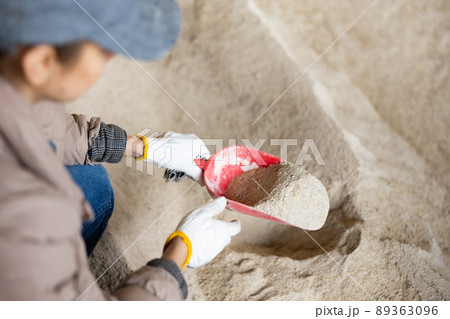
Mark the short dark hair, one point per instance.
(68, 52)
(65, 53)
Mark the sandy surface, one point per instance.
(376, 106)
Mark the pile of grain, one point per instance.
(284, 191)
(375, 105)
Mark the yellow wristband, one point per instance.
(145, 140)
(186, 240)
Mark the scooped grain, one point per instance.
(284, 191)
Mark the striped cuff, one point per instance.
(109, 145)
(173, 269)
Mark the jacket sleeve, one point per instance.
(92, 141)
(160, 279)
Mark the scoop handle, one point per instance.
(200, 162)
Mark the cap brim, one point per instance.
(148, 34)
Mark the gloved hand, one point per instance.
(176, 152)
(207, 236)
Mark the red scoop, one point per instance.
(221, 168)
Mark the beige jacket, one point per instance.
(42, 253)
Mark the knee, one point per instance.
(104, 190)
(96, 186)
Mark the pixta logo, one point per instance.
(309, 152)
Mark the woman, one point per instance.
(51, 52)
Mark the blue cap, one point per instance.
(144, 29)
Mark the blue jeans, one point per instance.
(97, 188)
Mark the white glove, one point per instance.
(176, 152)
(208, 236)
